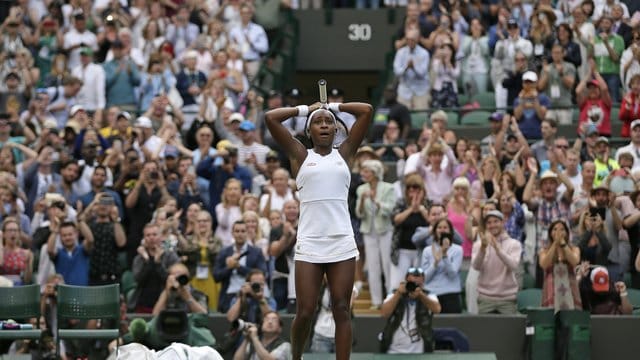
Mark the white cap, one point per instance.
(530, 76)
(144, 122)
(75, 109)
(635, 123)
(190, 54)
(236, 117)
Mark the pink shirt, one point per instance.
(458, 221)
(497, 279)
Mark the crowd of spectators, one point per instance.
(131, 141)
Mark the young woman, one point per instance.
(228, 210)
(322, 249)
(441, 264)
(559, 261)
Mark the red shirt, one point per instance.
(604, 125)
(629, 111)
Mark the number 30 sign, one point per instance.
(359, 32)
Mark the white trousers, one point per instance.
(406, 259)
(377, 248)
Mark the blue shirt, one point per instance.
(530, 122)
(443, 278)
(120, 84)
(74, 266)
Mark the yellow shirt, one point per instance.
(603, 170)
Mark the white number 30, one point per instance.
(359, 32)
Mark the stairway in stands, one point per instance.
(362, 305)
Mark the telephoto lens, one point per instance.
(410, 286)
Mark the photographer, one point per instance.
(178, 294)
(267, 345)
(252, 302)
(409, 333)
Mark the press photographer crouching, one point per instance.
(409, 312)
(264, 343)
(179, 295)
(253, 301)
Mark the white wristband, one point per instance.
(334, 106)
(303, 110)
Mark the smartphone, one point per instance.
(594, 211)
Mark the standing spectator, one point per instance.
(63, 98)
(154, 81)
(408, 311)
(594, 102)
(92, 92)
(219, 174)
(181, 33)
(607, 49)
(252, 40)
(605, 164)
(570, 48)
(251, 153)
(410, 65)
(393, 110)
(16, 263)
(77, 38)
(150, 269)
(190, 81)
(72, 258)
(496, 257)
(39, 177)
(633, 147)
(584, 33)
(438, 176)
(559, 261)
(441, 263)
(445, 70)
(122, 76)
(281, 241)
(512, 82)
(530, 107)
(475, 64)
(276, 192)
(98, 180)
(630, 107)
(541, 34)
(557, 81)
(227, 212)
(593, 239)
(108, 234)
(504, 57)
(373, 206)
(630, 61)
(234, 263)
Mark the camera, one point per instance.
(154, 175)
(182, 280)
(226, 159)
(444, 236)
(256, 287)
(410, 286)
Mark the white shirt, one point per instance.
(634, 151)
(633, 69)
(277, 201)
(252, 40)
(92, 92)
(257, 149)
(401, 341)
(72, 38)
(414, 80)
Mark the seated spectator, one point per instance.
(253, 302)
(266, 343)
(234, 263)
(559, 261)
(423, 236)
(72, 258)
(496, 257)
(602, 297)
(16, 263)
(594, 101)
(530, 107)
(150, 269)
(441, 264)
(408, 311)
(178, 294)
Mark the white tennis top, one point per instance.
(324, 230)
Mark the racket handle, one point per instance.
(322, 86)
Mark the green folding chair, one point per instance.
(486, 99)
(418, 119)
(634, 298)
(475, 118)
(87, 303)
(529, 298)
(20, 303)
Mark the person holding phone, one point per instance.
(441, 264)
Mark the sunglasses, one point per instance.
(415, 271)
(562, 146)
(59, 204)
(414, 186)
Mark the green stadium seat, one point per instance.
(529, 298)
(528, 281)
(418, 119)
(485, 99)
(453, 119)
(615, 113)
(463, 99)
(475, 118)
(20, 303)
(634, 298)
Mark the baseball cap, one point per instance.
(512, 22)
(190, 54)
(247, 125)
(600, 279)
(494, 213)
(144, 122)
(496, 116)
(602, 139)
(124, 114)
(86, 51)
(530, 76)
(592, 129)
(236, 117)
(75, 109)
(12, 74)
(635, 123)
(602, 187)
(272, 154)
(593, 82)
(548, 174)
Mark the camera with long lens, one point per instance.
(410, 286)
(256, 287)
(182, 280)
(239, 325)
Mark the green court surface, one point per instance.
(433, 356)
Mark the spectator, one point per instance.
(254, 232)
(276, 192)
(475, 65)
(603, 161)
(607, 49)
(496, 257)
(323, 339)
(219, 174)
(541, 34)
(391, 149)
(150, 270)
(253, 302)
(98, 180)
(154, 81)
(104, 222)
(227, 212)
(619, 257)
(375, 202)
(190, 81)
(393, 110)
(181, 33)
(445, 70)
(423, 236)
(410, 65)
(530, 107)
(513, 213)
(233, 264)
(252, 40)
(441, 263)
(583, 33)
(251, 154)
(63, 98)
(571, 50)
(630, 107)
(602, 297)
(122, 76)
(505, 58)
(17, 263)
(409, 213)
(619, 17)
(408, 311)
(71, 258)
(557, 81)
(77, 38)
(438, 176)
(268, 344)
(92, 92)
(559, 261)
(593, 241)
(39, 178)
(630, 61)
